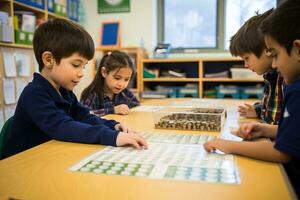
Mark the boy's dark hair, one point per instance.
(111, 61)
(62, 38)
(283, 25)
(249, 38)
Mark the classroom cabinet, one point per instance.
(197, 77)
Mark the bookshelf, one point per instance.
(136, 53)
(195, 71)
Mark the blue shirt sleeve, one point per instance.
(132, 100)
(288, 137)
(58, 124)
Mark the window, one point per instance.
(238, 11)
(204, 25)
(191, 24)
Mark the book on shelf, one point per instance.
(224, 74)
(173, 73)
(154, 95)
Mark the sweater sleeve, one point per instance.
(57, 124)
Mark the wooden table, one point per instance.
(42, 173)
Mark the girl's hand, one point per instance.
(250, 130)
(122, 109)
(136, 140)
(247, 110)
(220, 144)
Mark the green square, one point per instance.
(113, 6)
(20, 37)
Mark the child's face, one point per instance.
(116, 80)
(287, 65)
(259, 65)
(68, 72)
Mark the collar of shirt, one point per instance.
(39, 80)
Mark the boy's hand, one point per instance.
(247, 110)
(122, 109)
(220, 144)
(123, 128)
(250, 130)
(133, 139)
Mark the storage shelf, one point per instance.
(231, 80)
(171, 80)
(31, 8)
(51, 14)
(14, 45)
(195, 67)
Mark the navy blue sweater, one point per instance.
(42, 114)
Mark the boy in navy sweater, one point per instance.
(282, 36)
(48, 109)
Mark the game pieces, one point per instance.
(174, 157)
(199, 119)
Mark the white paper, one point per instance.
(20, 85)
(9, 91)
(147, 108)
(186, 161)
(1, 118)
(197, 103)
(9, 64)
(8, 112)
(23, 64)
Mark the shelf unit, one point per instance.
(136, 53)
(10, 7)
(195, 70)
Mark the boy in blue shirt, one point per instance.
(282, 36)
(48, 109)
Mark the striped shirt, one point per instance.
(269, 108)
(106, 106)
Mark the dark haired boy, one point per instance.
(48, 109)
(248, 43)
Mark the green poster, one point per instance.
(112, 6)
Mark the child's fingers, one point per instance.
(134, 143)
(249, 106)
(207, 146)
(142, 141)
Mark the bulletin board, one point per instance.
(110, 34)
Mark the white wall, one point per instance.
(139, 26)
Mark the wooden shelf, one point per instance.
(14, 45)
(155, 60)
(27, 7)
(51, 14)
(171, 79)
(230, 80)
(194, 67)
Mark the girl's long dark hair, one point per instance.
(111, 61)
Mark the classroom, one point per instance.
(149, 99)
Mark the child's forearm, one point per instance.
(261, 150)
(270, 131)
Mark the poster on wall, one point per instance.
(113, 6)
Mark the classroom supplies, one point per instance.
(197, 119)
